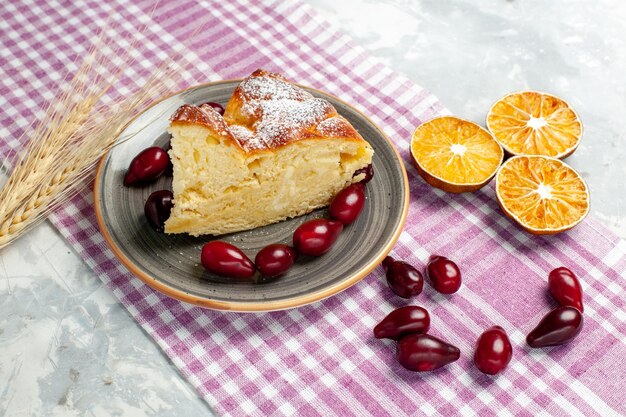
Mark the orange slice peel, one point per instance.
(535, 123)
(454, 154)
(542, 194)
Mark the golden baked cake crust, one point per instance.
(203, 114)
(278, 152)
(267, 111)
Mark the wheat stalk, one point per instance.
(76, 131)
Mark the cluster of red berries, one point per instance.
(418, 351)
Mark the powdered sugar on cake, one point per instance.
(280, 121)
(278, 112)
(242, 133)
(269, 86)
(335, 127)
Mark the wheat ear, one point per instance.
(77, 130)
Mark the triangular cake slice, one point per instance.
(277, 153)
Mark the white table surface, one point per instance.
(67, 347)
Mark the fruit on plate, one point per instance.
(278, 152)
(565, 288)
(147, 166)
(534, 123)
(423, 352)
(544, 195)
(401, 322)
(558, 327)
(455, 155)
(157, 209)
(493, 351)
(347, 205)
(275, 259)
(227, 260)
(403, 278)
(316, 237)
(444, 275)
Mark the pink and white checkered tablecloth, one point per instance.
(322, 360)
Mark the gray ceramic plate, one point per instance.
(171, 263)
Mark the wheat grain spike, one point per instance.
(77, 130)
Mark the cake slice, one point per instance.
(277, 153)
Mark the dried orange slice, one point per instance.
(544, 195)
(533, 123)
(455, 155)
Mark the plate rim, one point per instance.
(258, 306)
